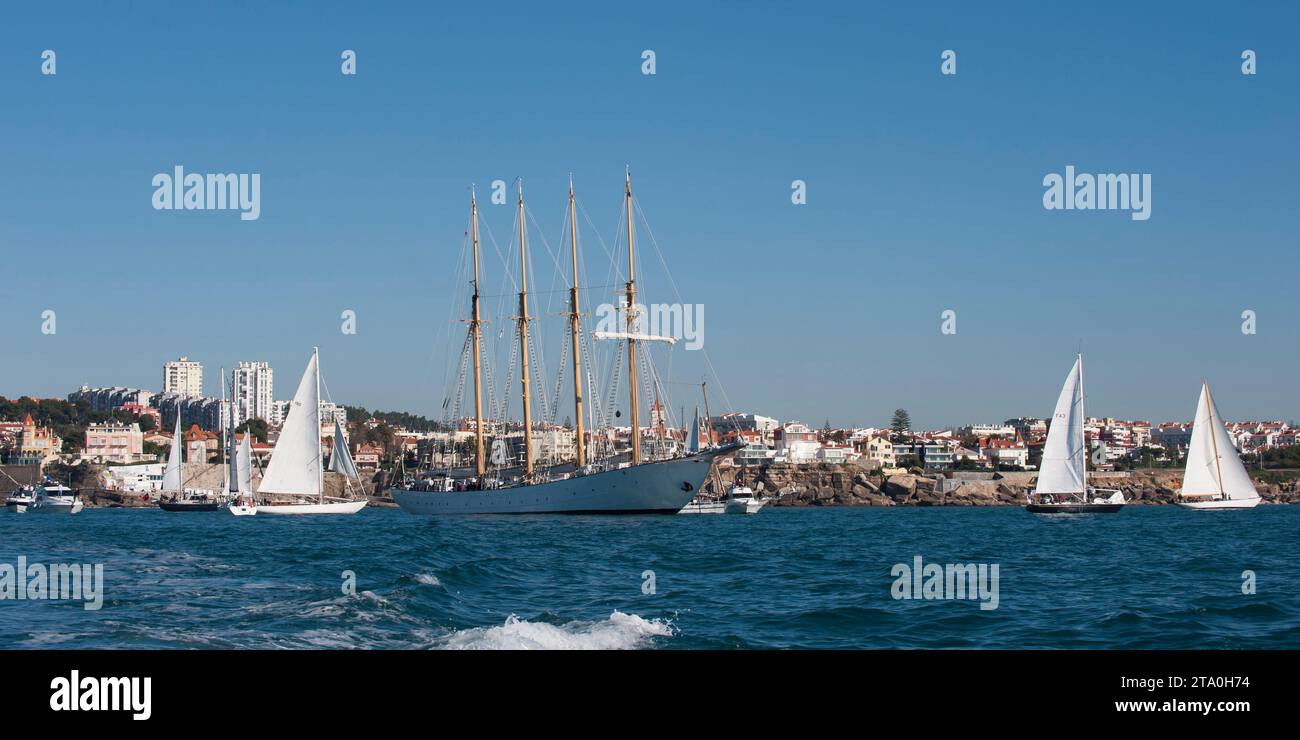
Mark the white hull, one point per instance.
(662, 487)
(1239, 503)
(46, 507)
(745, 506)
(343, 507)
(241, 510)
(704, 507)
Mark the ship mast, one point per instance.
(631, 326)
(708, 418)
(573, 327)
(523, 339)
(480, 463)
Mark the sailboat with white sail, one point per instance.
(175, 496)
(244, 503)
(1062, 486)
(608, 486)
(1215, 477)
(294, 482)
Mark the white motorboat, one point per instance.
(1215, 477)
(742, 500)
(44, 499)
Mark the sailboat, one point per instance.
(1062, 486)
(243, 504)
(700, 504)
(1214, 477)
(609, 487)
(182, 499)
(296, 474)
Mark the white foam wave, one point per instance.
(427, 579)
(619, 632)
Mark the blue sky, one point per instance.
(924, 193)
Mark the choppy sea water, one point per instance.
(1148, 577)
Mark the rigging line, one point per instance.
(461, 263)
(707, 359)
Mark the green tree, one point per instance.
(901, 424)
(258, 427)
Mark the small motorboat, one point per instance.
(741, 500)
(46, 499)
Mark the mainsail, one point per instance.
(172, 473)
(1064, 456)
(1213, 464)
(340, 458)
(244, 465)
(295, 463)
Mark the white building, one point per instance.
(145, 478)
(251, 392)
(797, 443)
(183, 377)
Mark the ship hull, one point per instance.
(1073, 508)
(189, 505)
(662, 487)
(1240, 503)
(342, 507)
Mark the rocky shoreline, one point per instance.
(817, 484)
(824, 484)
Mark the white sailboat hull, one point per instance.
(243, 510)
(342, 507)
(704, 507)
(1238, 503)
(662, 487)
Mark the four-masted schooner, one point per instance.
(607, 487)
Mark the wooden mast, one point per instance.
(523, 339)
(573, 327)
(631, 326)
(480, 461)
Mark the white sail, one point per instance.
(1065, 459)
(340, 457)
(295, 462)
(172, 473)
(244, 465)
(693, 442)
(232, 452)
(1213, 463)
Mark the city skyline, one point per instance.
(924, 194)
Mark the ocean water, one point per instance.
(1148, 577)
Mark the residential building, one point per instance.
(183, 377)
(251, 392)
(878, 449)
(114, 442)
(796, 443)
(37, 445)
(107, 399)
(200, 444)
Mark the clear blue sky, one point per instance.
(924, 192)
